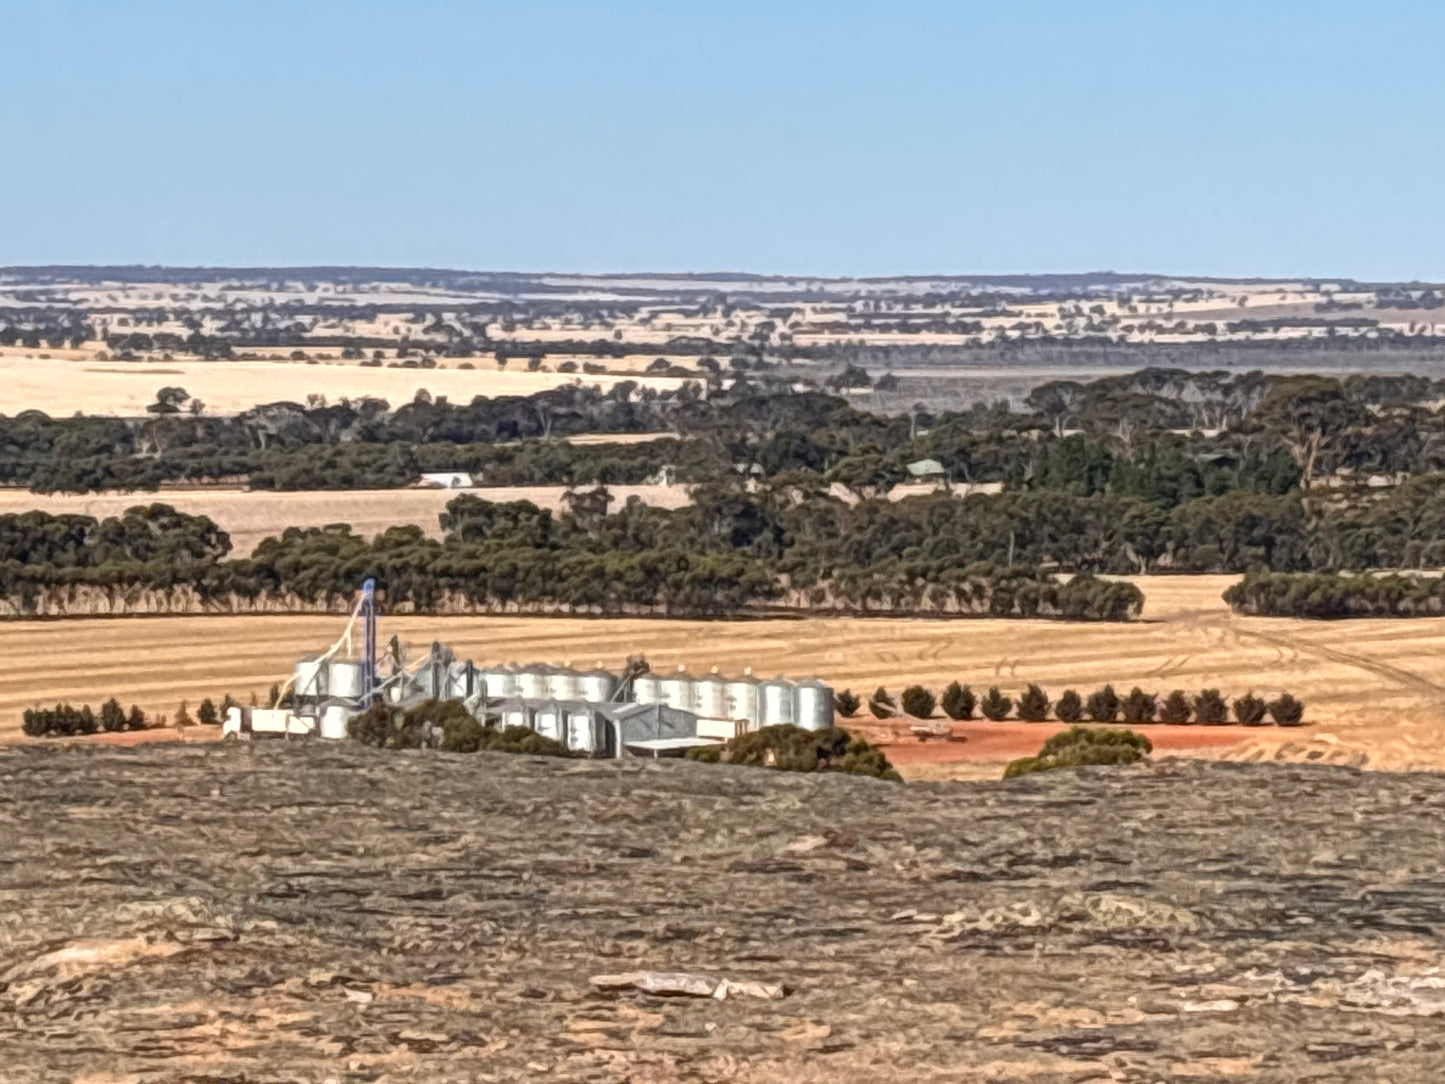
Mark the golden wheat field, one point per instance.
(60, 386)
(1375, 690)
(248, 516)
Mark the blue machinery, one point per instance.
(366, 609)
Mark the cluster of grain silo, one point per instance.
(769, 702)
(595, 711)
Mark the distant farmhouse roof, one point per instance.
(447, 479)
(925, 468)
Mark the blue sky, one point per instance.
(1269, 138)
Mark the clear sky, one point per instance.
(1263, 138)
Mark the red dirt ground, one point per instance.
(985, 741)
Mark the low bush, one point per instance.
(1069, 708)
(958, 701)
(918, 702)
(995, 705)
(1081, 745)
(1175, 708)
(1033, 705)
(846, 703)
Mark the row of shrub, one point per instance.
(1033, 705)
(66, 720)
(790, 748)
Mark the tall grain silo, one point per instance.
(597, 685)
(647, 689)
(710, 697)
(813, 703)
(499, 681)
(564, 684)
(743, 700)
(777, 701)
(532, 681)
(676, 690)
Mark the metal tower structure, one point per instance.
(367, 610)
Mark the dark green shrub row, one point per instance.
(792, 749)
(1082, 745)
(64, 720)
(1103, 706)
(1333, 595)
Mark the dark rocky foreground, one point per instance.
(305, 912)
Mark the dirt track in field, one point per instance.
(1374, 689)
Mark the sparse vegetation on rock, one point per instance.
(1080, 746)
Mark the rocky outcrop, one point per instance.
(310, 912)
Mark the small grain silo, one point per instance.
(343, 679)
(777, 702)
(813, 705)
(334, 718)
(548, 720)
(309, 678)
(582, 736)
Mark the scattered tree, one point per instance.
(918, 702)
(958, 701)
(995, 705)
(1033, 705)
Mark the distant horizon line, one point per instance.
(1101, 276)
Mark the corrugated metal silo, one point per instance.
(564, 684)
(677, 691)
(309, 678)
(581, 735)
(344, 679)
(647, 689)
(597, 685)
(777, 701)
(710, 697)
(333, 721)
(532, 681)
(743, 700)
(500, 682)
(813, 702)
(547, 721)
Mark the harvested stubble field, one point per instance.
(61, 387)
(1374, 689)
(306, 912)
(249, 516)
